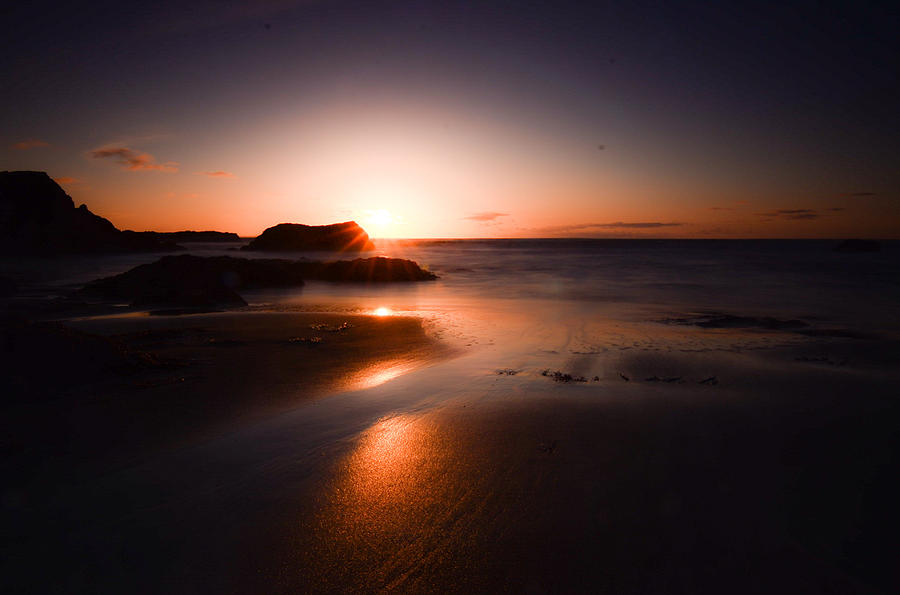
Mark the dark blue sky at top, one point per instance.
(837, 60)
(822, 75)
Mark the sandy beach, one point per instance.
(315, 452)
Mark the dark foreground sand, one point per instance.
(449, 477)
(207, 373)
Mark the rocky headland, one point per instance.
(38, 217)
(295, 237)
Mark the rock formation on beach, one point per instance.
(294, 237)
(194, 281)
(377, 269)
(38, 217)
(186, 280)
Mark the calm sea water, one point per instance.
(780, 278)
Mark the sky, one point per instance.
(469, 119)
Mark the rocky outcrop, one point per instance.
(377, 269)
(38, 217)
(858, 246)
(294, 237)
(194, 281)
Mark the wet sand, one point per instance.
(637, 489)
(211, 373)
(411, 471)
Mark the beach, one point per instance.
(447, 438)
(449, 297)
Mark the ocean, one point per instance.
(784, 279)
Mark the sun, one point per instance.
(380, 218)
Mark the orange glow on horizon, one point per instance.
(442, 171)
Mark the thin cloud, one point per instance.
(66, 180)
(643, 225)
(791, 214)
(215, 174)
(31, 143)
(862, 194)
(836, 209)
(595, 227)
(487, 216)
(132, 160)
(721, 209)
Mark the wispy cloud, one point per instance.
(487, 216)
(31, 143)
(66, 180)
(132, 160)
(215, 174)
(861, 194)
(642, 225)
(792, 214)
(599, 227)
(721, 208)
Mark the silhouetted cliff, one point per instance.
(294, 237)
(38, 217)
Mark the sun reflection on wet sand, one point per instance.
(379, 374)
(385, 462)
(385, 508)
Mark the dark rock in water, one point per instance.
(38, 217)
(563, 377)
(171, 281)
(195, 236)
(858, 246)
(187, 280)
(377, 269)
(294, 237)
(198, 282)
